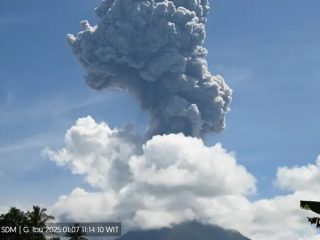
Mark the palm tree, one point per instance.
(15, 217)
(76, 235)
(38, 218)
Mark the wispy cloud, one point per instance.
(14, 20)
(36, 141)
(52, 108)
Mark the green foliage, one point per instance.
(14, 218)
(76, 235)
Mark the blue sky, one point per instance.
(267, 51)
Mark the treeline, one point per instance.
(36, 218)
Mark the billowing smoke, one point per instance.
(154, 50)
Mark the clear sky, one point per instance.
(267, 51)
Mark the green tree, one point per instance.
(13, 218)
(38, 218)
(76, 235)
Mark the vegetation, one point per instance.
(10, 222)
(76, 235)
(37, 218)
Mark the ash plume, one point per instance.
(154, 50)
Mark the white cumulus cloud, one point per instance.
(173, 178)
(300, 177)
(97, 152)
